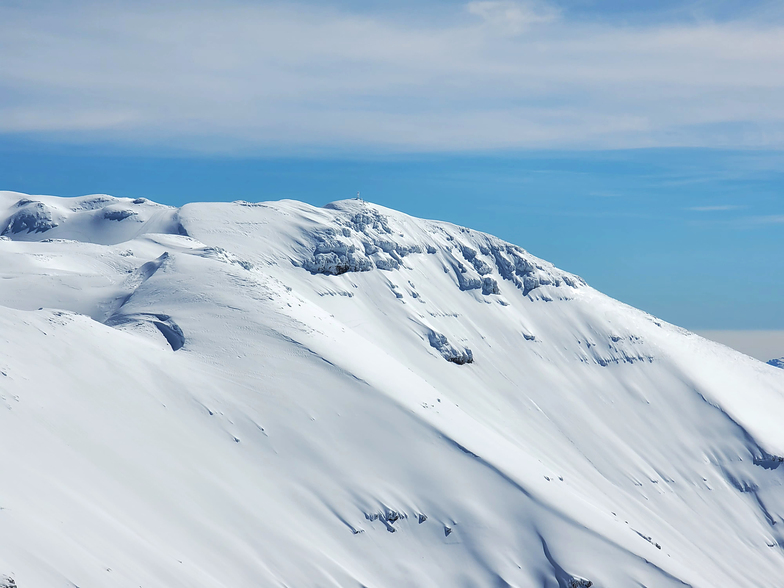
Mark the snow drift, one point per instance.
(272, 394)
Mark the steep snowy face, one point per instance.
(354, 236)
(361, 238)
(276, 394)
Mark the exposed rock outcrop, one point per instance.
(448, 351)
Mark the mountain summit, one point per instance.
(273, 394)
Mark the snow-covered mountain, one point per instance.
(237, 394)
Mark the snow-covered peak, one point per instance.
(279, 394)
(356, 236)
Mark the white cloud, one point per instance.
(244, 77)
(770, 219)
(513, 17)
(714, 208)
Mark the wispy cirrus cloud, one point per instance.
(278, 77)
(746, 222)
(769, 219)
(511, 16)
(715, 208)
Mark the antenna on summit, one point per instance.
(359, 198)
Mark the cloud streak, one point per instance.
(770, 219)
(513, 17)
(714, 208)
(239, 77)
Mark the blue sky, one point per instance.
(639, 146)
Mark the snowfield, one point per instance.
(272, 394)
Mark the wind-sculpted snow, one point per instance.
(361, 238)
(30, 217)
(96, 219)
(269, 394)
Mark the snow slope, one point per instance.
(236, 394)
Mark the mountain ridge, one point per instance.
(585, 441)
